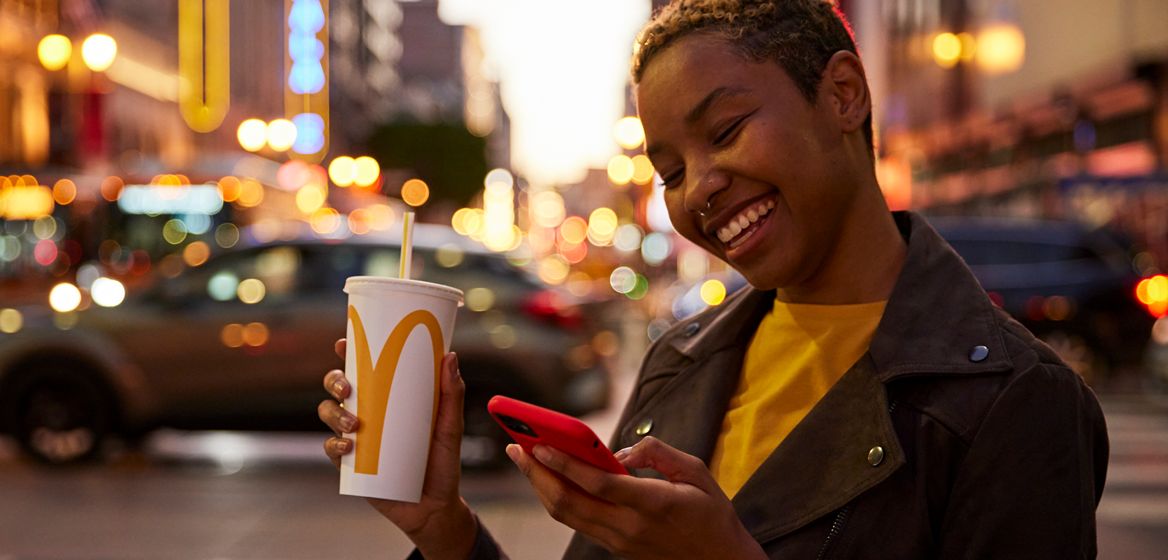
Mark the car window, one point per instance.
(266, 276)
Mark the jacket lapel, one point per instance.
(825, 461)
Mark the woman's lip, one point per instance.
(723, 218)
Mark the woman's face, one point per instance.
(753, 172)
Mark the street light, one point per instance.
(98, 51)
(54, 51)
(252, 134)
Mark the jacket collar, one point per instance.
(935, 316)
(924, 328)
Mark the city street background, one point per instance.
(186, 185)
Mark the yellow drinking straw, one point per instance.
(407, 246)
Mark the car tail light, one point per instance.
(549, 306)
(1153, 293)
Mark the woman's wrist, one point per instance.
(450, 535)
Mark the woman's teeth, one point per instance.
(740, 223)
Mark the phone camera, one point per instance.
(517, 426)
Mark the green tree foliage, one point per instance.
(451, 160)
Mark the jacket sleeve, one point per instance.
(1033, 475)
(485, 547)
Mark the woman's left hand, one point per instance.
(685, 516)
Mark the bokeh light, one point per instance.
(602, 224)
(628, 238)
(713, 292)
(251, 290)
(574, 230)
(45, 252)
(620, 169)
(553, 269)
(174, 231)
(449, 255)
(480, 299)
(232, 335)
(107, 292)
(64, 192)
(252, 134)
(415, 192)
(343, 171)
(196, 253)
(54, 51)
(111, 188)
(642, 169)
(251, 193)
(281, 134)
(310, 198)
(629, 133)
(223, 286)
(98, 51)
(255, 334)
(226, 235)
(44, 227)
(656, 248)
(1001, 48)
(11, 320)
(366, 171)
(946, 49)
(623, 279)
(325, 221)
(64, 297)
(548, 208)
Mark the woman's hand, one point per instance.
(685, 516)
(441, 525)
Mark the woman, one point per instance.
(863, 399)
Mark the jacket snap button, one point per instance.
(978, 353)
(644, 427)
(876, 456)
(692, 329)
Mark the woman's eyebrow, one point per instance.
(704, 105)
(699, 110)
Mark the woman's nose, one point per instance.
(700, 197)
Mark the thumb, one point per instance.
(674, 464)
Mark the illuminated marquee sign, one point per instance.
(204, 62)
(167, 199)
(306, 67)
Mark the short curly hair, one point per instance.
(800, 35)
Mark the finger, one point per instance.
(445, 449)
(336, 384)
(339, 348)
(615, 488)
(676, 465)
(567, 503)
(335, 447)
(336, 418)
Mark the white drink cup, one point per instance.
(398, 331)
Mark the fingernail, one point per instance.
(542, 453)
(454, 365)
(513, 453)
(347, 423)
(338, 387)
(344, 445)
(621, 454)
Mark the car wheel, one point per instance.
(1079, 354)
(60, 417)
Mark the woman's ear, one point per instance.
(848, 89)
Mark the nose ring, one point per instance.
(702, 212)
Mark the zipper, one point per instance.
(836, 527)
(841, 517)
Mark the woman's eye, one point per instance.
(728, 131)
(671, 180)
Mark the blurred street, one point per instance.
(278, 500)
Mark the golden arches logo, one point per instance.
(375, 381)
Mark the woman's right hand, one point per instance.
(441, 525)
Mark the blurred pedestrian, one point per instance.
(863, 398)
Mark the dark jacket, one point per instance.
(957, 435)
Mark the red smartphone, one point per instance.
(531, 425)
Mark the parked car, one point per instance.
(190, 352)
(1073, 286)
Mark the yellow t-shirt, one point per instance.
(798, 352)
